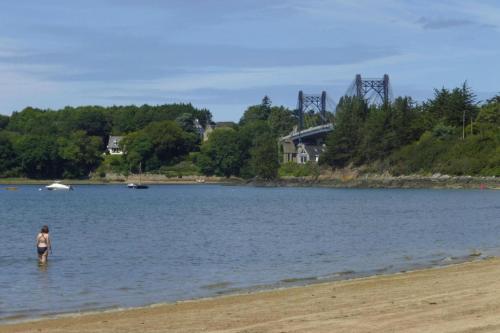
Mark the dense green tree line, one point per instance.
(159, 143)
(250, 149)
(450, 133)
(70, 142)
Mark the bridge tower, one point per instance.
(311, 103)
(372, 90)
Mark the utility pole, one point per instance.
(463, 125)
(471, 131)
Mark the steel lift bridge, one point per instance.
(316, 116)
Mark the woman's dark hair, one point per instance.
(45, 229)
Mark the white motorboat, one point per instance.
(137, 186)
(57, 186)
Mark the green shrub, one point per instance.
(184, 168)
(113, 164)
(291, 169)
(419, 157)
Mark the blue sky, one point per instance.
(225, 55)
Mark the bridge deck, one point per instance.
(311, 131)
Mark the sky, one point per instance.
(225, 55)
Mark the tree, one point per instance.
(264, 157)
(257, 112)
(220, 155)
(450, 107)
(7, 154)
(406, 120)
(343, 142)
(488, 118)
(186, 122)
(90, 119)
(170, 141)
(4, 121)
(138, 148)
(388, 127)
(159, 143)
(281, 120)
(378, 135)
(494, 99)
(38, 156)
(80, 154)
(34, 122)
(69, 142)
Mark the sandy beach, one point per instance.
(458, 298)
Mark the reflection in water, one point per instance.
(43, 277)
(43, 267)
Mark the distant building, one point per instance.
(306, 145)
(306, 153)
(208, 129)
(113, 147)
(211, 127)
(199, 129)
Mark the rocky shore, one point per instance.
(436, 181)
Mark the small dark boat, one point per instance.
(138, 186)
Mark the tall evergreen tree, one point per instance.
(343, 143)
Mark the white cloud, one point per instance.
(482, 12)
(274, 76)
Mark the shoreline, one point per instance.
(291, 282)
(273, 308)
(382, 181)
(360, 182)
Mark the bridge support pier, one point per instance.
(289, 151)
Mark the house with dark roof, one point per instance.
(306, 153)
(113, 146)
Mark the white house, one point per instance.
(306, 153)
(114, 145)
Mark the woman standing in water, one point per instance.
(43, 244)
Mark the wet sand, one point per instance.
(458, 298)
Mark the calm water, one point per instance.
(115, 247)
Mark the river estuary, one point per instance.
(114, 247)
